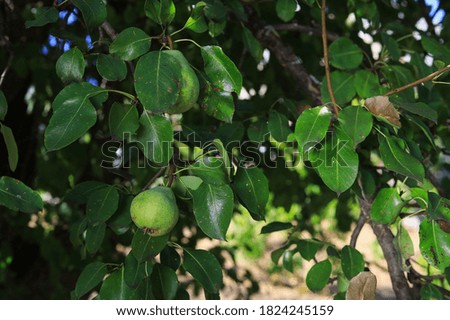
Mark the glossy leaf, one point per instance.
(308, 248)
(102, 203)
(252, 188)
(134, 271)
(81, 192)
(94, 237)
(345, 54)
(164, 282)
(224, 154)
(218, 104)
(11, 146)
(434, 244)
(278, 126)
(111, 68)
(343, 87)
(17, 196)
(3, 106)
(356, 122)
(155, 138)
(115, 287)
(184, 185)
(43, 16)
(70, 66)
(93, 11)
(438, 207)
(90, 277)
(146, 247)
(312, 126)
(160, 11)
(396, 159)
(211, 170)
(213, 209)
(196, 21)
(352, 261)
(130, 44)
(205, 268)
(123, 120)
(221, 70)
(157, 77)
(286, 9)
(73, 115)
(367, 84)
(318, 275)
(337, 163)
(252, 44)
(288, 260)
(386, 206)
(275, 226)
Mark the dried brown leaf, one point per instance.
(381, 106)
(362, 287)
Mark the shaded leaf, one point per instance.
(170, 257)
(308, 248)
(205, 268)
(111, 68)
(430, 291)
(123, 120)
(288, 263)
(94, 237)
(286, 9)
(134, 271)
(102, 203)
(70, 66)
(146, 247)
(438, 207)
(93, 11)
(11, 146)
(252, 44)
(164, 282)
(345, 54)
(352, 261)
(278, 126)
(210, 169)
(130, 44)
(3, 106)
(43, 16)
(356, 122)
(17, 196)
(419, 108)
(218, 104)
(275, 226)
(160, 11)
(115, 287)
(367, 84)
(90, 277)
(343, 87)
(81, 192)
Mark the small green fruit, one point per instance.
(156, 210)
(190, 87)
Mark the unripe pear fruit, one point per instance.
(155, 210)
(189, 86)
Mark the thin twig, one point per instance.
(420, 81)
(153, 179)
(170, 174)
(294, 26)
(325, 54)
(359, 225)
(8, 65)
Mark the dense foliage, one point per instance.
(222, 109)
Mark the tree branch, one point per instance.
(359, 225)
(325, 57)
(420, 81)
(153, 179)
(295, 27)
(385, 239)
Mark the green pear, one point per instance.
(155, 210)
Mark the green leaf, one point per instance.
(121, 220)
(278, 126)
(134, 271)
(70, 66)
(286, 9)
(447, 274)
(352, 261)
(230, 134)
(418, 108)
(396, 159)
(213, 209)
(155, 137)
(205, 268)
(73, 115)
(252, 44)
(130, 44)
(215, 10)
(90, 277)
(115, 287)
(94, 237)
(216, 28)
(367, 84)
(157, 78)
(3, 106)
(224, 154)
(11, 146)
(165, 282)
(102, 203)
(252, 188)
(184, 185)
(386, 206)
(93, 11)
(398, 76)
(345, 54)
(403, 244)
(312, 126)
(434, 244)
(218, 104)
(222, 72)
(430, 291)
(337, 162)
(123, 120)
(438, 50)
(196, 21)
(288, 260)
(81, 192)
(160, 11)
(318, 276)
(258, 131)
(275, 226)
(308, 248)
(356, 122)
(111, 68)
(422, 126)
(438, 207)
(210, 169)
(43, 16)
(276, 254)
(17, 196)
(170, 257)
(343, 87)
(392, 46)
(146, 247)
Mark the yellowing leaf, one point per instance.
(381, 106)
(362, 287)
